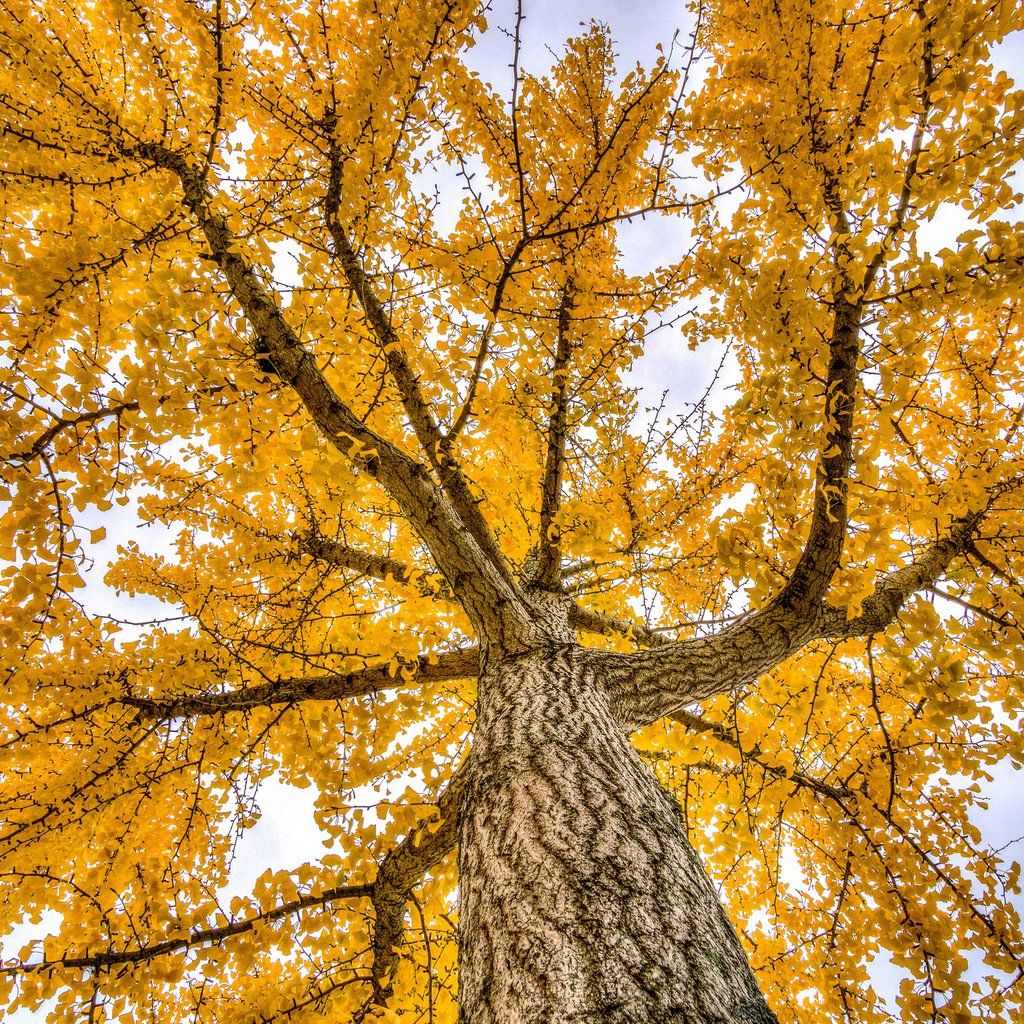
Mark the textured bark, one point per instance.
(581, 899)
(295, 689)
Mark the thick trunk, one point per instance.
(581, 899)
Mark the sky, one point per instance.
(287, 834)
(637, 28)
(668, 364)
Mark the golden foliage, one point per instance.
(427, 240)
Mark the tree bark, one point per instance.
(580, 898)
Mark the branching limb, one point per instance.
(466, 412)
(1002, 621)
(379, 567)
(926, 99)
(69, 423)
(191, 940)
(484, 348)
(517, 147)
(650, 684)
(597, 622)
(217, 115)
(647, 685)
(403, 869)
(943, 871)
(330, 686)
(550, 556)
(344, 556)
(606, 152)
(893, 591)
(417, 409)
(697, 724)
(997, 571)
(463, 553)
(826, 536)
(115, 411)
(743, 651)
(400, 871)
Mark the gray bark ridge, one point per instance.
(580, 898)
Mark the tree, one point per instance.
(294, 283)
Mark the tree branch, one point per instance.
(646, 685)
(199, 937)
(597, 622)
(826, 536)
(651, 684)
(330, 686)
(418, 411)
(492, 601)
(485, 344)
(402, 869)
(517, 148)
(1002, 621)
(892, 592)
(68, 422)
(697, 724)
(379, 567)
(115, 411)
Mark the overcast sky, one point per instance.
(637, 28)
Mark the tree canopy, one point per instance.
(355, 331)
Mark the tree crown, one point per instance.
(358, 335)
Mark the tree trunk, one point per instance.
(580, 898)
